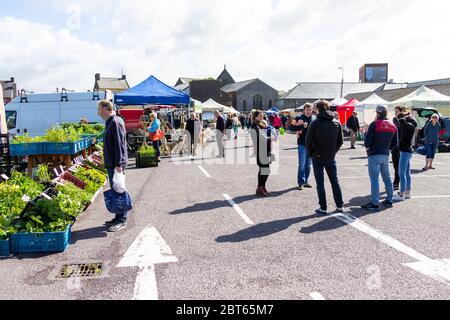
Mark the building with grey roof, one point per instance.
(251, 94)
(113, 84)
(394, 91)
(9, 88)
(243, 96)
(313, 91)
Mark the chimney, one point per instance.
(97, 77)
(124, 77)
(12, 80)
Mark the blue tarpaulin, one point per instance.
(273, 110)
(152, 91)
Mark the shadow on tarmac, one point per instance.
(91, 233)
(207, 206)
(354, 208)
(263, 230)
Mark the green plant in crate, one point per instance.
(42, 174)
(27, 185)
(94, 179)
(26, 139)
(6, 227)
(11, 206)
(147, 151)
(60, 135)
(75, 193)
(11, 203)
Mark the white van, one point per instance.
(34, 114)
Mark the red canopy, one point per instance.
(346, 110)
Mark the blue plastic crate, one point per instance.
(63, 147)
(91, 137)
(86, 143)
(40, 242)
(5, 248)
(26, 149)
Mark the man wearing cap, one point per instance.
(353, 125)
(378, 142)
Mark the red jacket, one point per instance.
(277, 122)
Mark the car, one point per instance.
(423, 116)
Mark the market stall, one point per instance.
(346, 110)
(37, 214)
(338, 102)
(152, 92)
(425, 97)
(367, 109)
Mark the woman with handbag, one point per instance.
(263, 152)
(155, 133)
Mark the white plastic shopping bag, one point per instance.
(119, 182)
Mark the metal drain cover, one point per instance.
(85, 270)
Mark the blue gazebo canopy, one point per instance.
(273, 110)
(152, 91)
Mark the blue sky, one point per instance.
(280, 41)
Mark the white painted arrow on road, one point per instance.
(148, 249)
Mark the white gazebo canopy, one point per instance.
(211, 106)
(367, 108)
(425, 97)
(338, 102)
(231, 110)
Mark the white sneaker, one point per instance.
(407, 196)
(340, 210)
(398, 198)
(321, 212)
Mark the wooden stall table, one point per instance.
(55, 159)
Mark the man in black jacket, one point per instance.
(220, 129)
(193, 127)
(323, 141)
(115, 153)
(353, 125)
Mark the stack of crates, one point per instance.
(5, 154)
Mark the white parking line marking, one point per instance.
(413, 176)
(238, 210)
(316, 296)
(204, 171)
(430, 197)
(148, 249)
(432, 268)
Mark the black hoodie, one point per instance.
(324, 137)
(408, 127)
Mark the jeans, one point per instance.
(380, 164)
(431, 150)
(304, 166)
(395, 161)
(404, 169)
(122, 217)
(156, 145)
(331, 168)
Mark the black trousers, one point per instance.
(395, 162)
(263, 176)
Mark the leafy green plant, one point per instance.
(92, 129)
(147, 151)
(91, 177)
(62, 135)
(42, 174)
(25, 139)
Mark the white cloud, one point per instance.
(282, 42)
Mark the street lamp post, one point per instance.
(342, 81)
